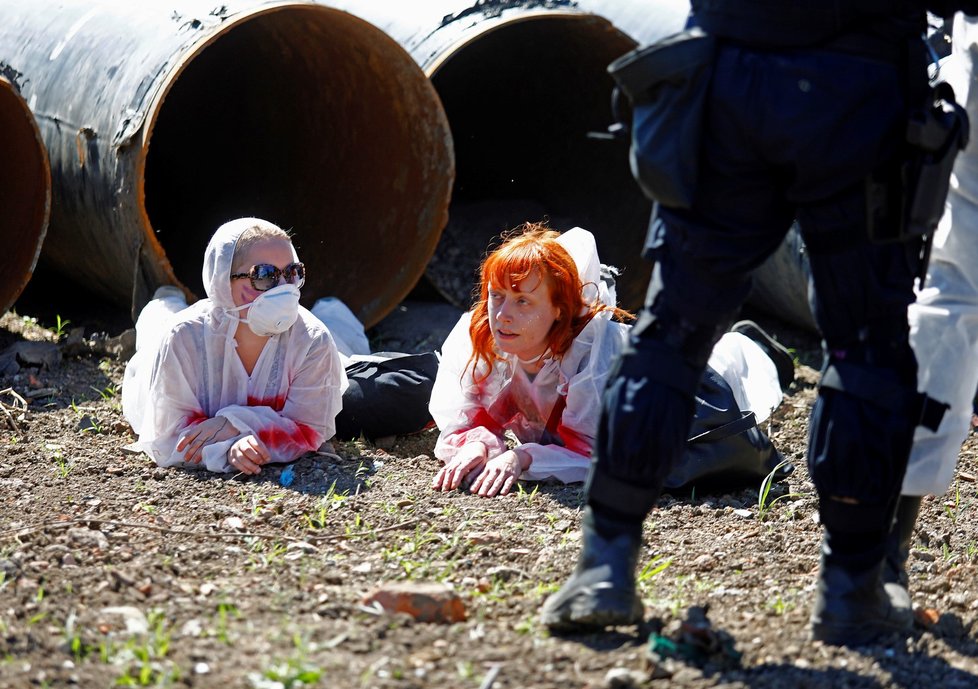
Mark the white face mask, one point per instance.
(272, 312)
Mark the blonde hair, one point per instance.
(255, 235)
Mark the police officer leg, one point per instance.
(895, 578)
(862, 425)
(647, 411)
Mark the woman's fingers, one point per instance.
(248, 455)
(193, 454)
(186, 440)
(440, 482)
(508, 484)
(498, 484)
(241, 463)
(254, 451)
(461, 469)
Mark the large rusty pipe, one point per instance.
(524, 85)
(163, 121)
(25, 191)
(523, 81)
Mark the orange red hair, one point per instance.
(533, 246)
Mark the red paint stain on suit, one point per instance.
(302, 436)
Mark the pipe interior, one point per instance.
(309, 118)
(521, 101)
(25, 188)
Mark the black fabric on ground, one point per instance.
(388, 397)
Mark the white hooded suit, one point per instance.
(289, 402)
(507, 401)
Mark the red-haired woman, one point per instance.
(531, 360)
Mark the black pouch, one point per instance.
(388, 397)
(911, 202)
(726, 449)
(667, 83)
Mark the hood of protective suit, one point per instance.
(216, 273)
(581, 246)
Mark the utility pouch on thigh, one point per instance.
(667, 83)
(911, 206)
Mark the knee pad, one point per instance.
(859, 441)
(647, 409)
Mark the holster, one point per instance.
(910, 202)
(667, 84)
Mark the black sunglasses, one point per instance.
(264, 276)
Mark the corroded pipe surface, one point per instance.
(525, 85)
(25, 191)
(163, 121)
(523, 81)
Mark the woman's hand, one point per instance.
(501, 473)
(468, 459)
(198, 436)
(248, 455)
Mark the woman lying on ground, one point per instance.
(243, 378)
(531, 359)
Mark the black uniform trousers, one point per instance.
(788, 134)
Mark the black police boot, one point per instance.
(852, 607)
(781, 357)
(601, 592)
(895, 578)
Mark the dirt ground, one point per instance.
(114, 572)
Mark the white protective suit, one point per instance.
(944, 319)
(289, 402)
(507, 400)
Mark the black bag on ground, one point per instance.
(667, 83)
(388, 397)
(726, 448)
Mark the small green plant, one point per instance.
(266, 554)
(363, 471)
(62, 467)
(465, 669)
(545, 589)
(779, 606)
(526, 626)
(652, 568)
(73, 641)
(60, 327)
(524, 496)
(93, 426)
(951, 508)
(225, 611)
(764, 501)
(290, 673)
(261, 503)
(357, 527)
(109, 392)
